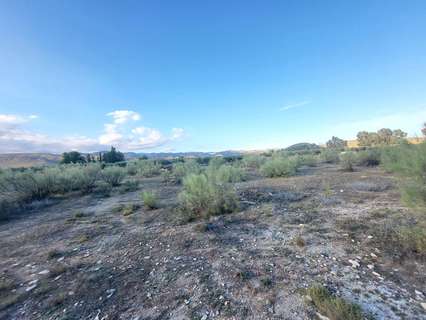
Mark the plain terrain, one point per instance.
(81, 258)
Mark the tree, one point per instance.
(384, 136)
(72, 157)
(88, 158)
(336, 143)
(424, 129)
(113, 156)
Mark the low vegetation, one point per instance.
(279, 166)
(334, 308)
(206, 195)
(149, 200)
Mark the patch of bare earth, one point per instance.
(81, 258)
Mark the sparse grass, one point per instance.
(267, 282)
(352, 225)
(83, 238)
(300, 241)
(149, 200)
(129, 209)
(54, 253)
(334, 308)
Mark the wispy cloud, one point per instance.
(295, 105)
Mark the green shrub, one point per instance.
(203, 196)
(180, 170)
(86, 177)
(308, 160)
(132, 168)
(149, 200)
(113, 175)
(412, 239)
(103, 188)
(148, 168)
(216, 162)
(347, 161)
(253, 161)
(330, 156)
(369, 157)
(279, 166)
(225, 173)
(129, 186)
(409, 162)
(334, 308)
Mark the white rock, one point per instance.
(355, 264)
(31, 288)
(44, 272)
(423, 304)
(373, 255)
(370, 266)
(321, 317)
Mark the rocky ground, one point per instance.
(81, 258)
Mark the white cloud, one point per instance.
(13, 119)
(123, 116)
(177, 133)
(295, 105)
(15, 137)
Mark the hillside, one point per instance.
(17, 160)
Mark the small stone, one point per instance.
(110, 292)
(355, 264)
(44, 272)
(60, 259)
(419, 293)
(373, 255)
(204, 317)
(423, 304)
(31, 288)
(370, 266)
(370, 237)
(321, 317)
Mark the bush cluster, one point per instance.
(18, 188)
(204, 195)
(279, 166)
(409, 162)
(181, 169)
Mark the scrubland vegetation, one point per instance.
(295, 201)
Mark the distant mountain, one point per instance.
(18, 160)
(165, 155)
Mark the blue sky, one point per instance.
(207, 75)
